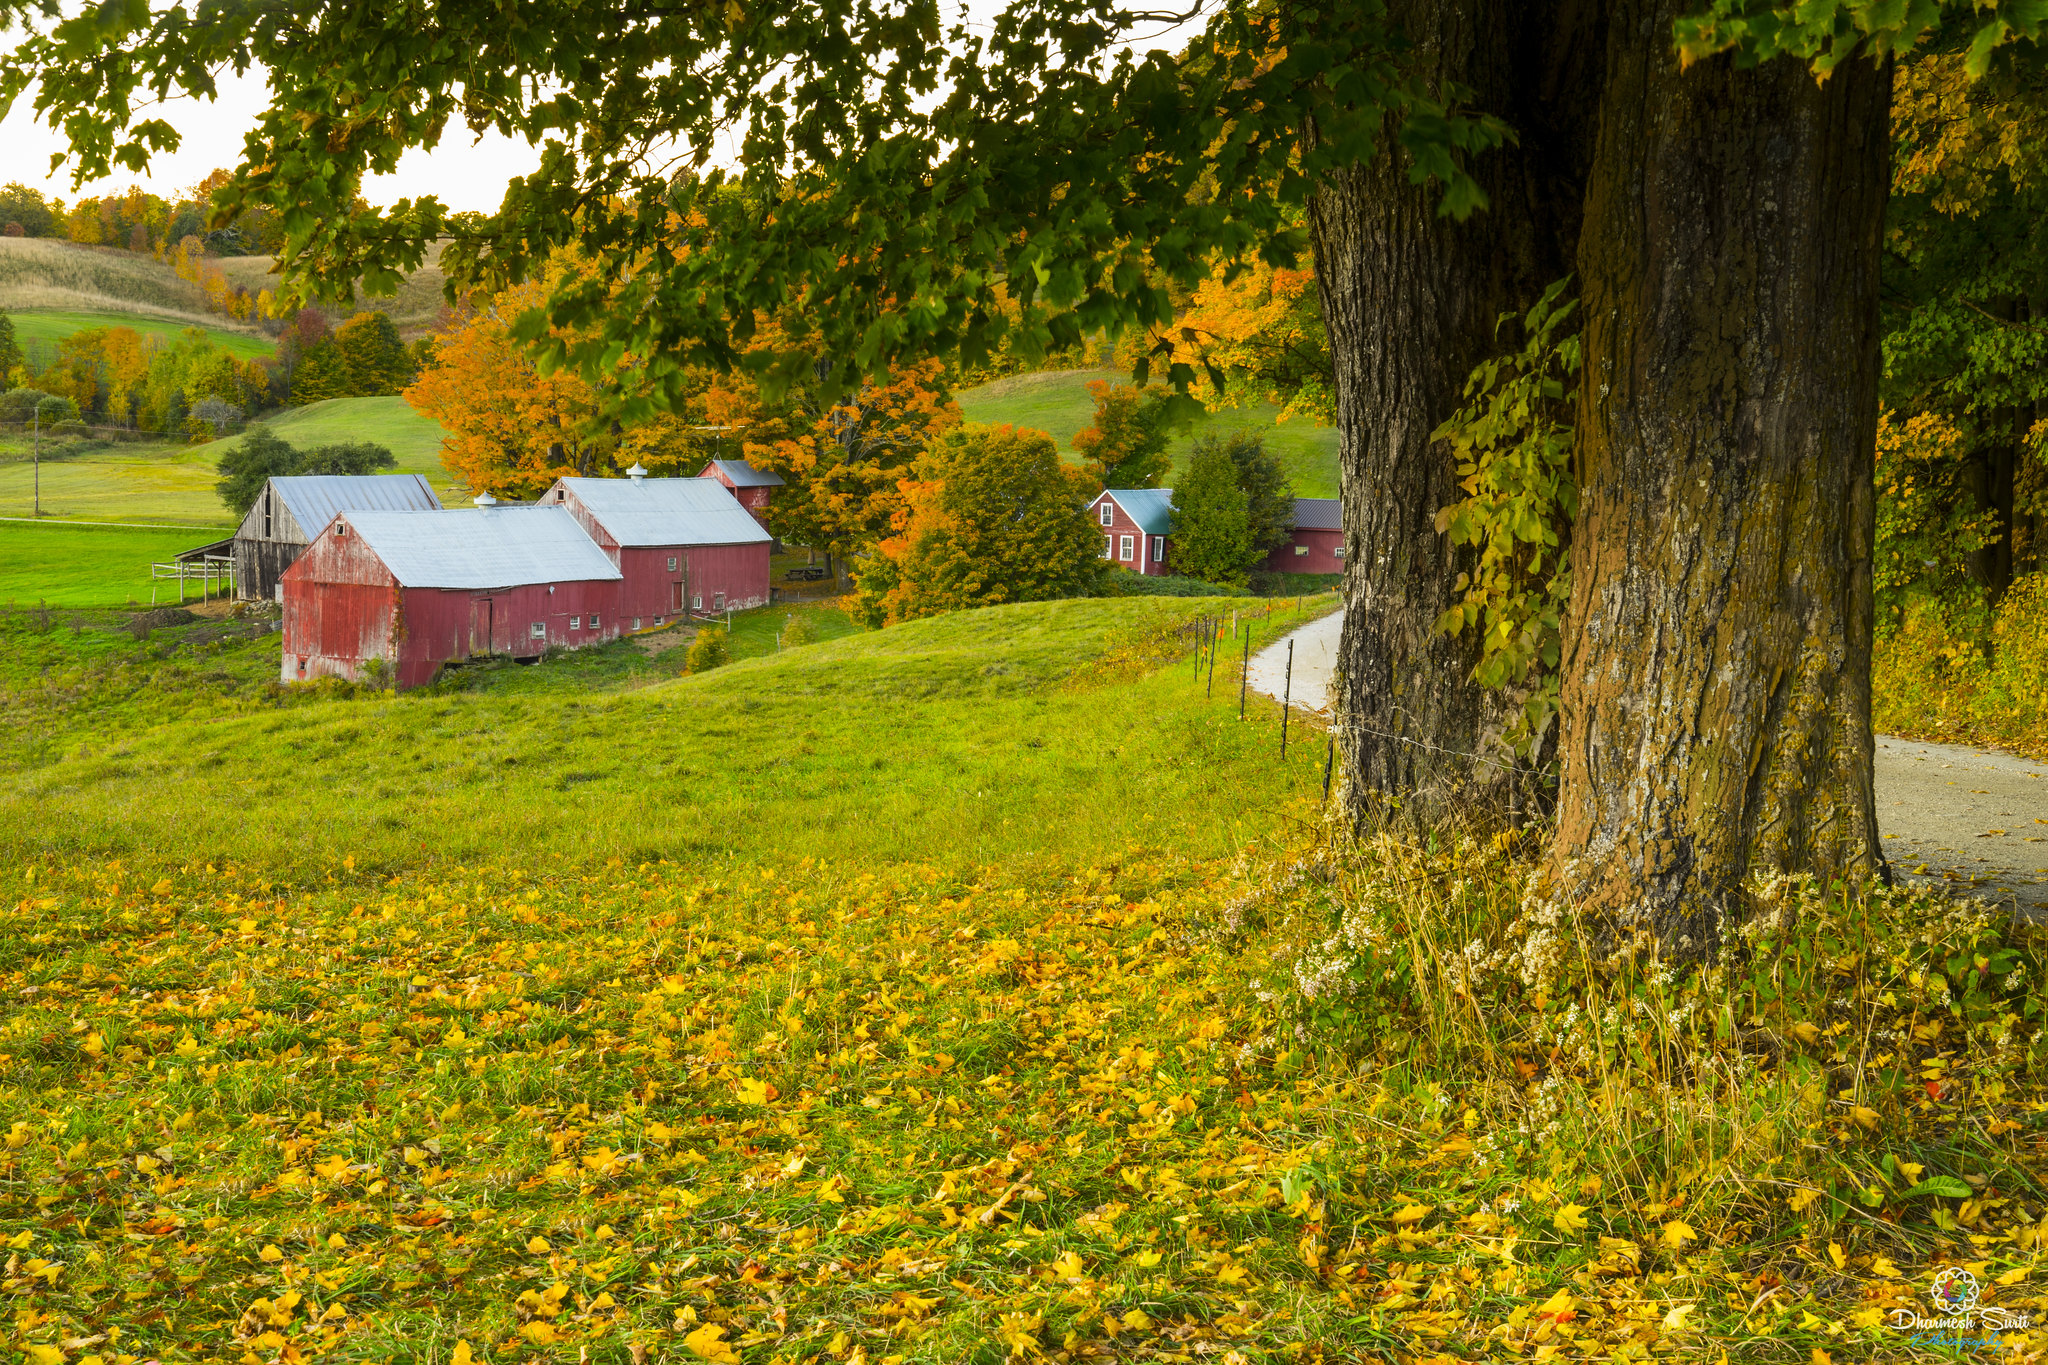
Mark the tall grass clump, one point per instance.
(1861, 1067)
(1968, 674)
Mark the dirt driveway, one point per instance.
(1968, 819)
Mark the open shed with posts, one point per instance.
(419, 590)
(292, 509)
(683, 545)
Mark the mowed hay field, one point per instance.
(114, 481)
(41, 274)
(1058, 402)
(44, 328)
(86, 566)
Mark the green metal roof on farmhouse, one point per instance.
(1151, 508)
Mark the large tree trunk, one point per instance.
(1411, 299)
(1716, 686)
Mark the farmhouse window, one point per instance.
(1108, 512)
(538, 630)
(575, 623)
(671, 563)
(1123, 547)
(1301, 549)
(1340, 552)
(1158, 548)
(1109, 547)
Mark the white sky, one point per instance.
(465, 172)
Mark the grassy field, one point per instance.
(141, 481)
(46, 327)
(974, 991)
(954, 734)
(85, 566)
(1058, 402)
(413, 310)
(415, 440)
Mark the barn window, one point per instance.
(1108, 512)
(593, 620)
(576, 623)
(538, 630)
(671, 563)
(636, 622)
(697, 602)
(1109, 547)
(1123, 547)
(1159, 547)
(266, 514)
(341, 528)
(718, 601)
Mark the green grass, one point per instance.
(85, 566)
(970, 737)
(390, 422)
(1058, 403)
(47, 327)
(141, 481)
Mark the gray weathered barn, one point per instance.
(293, 509)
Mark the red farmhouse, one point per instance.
(681, 544)
(1317, 545)
(420, 589)
(1136, 526)
(753, 487)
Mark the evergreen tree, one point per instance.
(1269, 502)
(10, 349)
(1212, 530)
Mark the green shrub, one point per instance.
(709, 650)
(1125, 583)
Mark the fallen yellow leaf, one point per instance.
(1414, 1213)
(1570, 1218)
(708, 1343)
(1677, 1233)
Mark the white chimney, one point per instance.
(636, 473)
(486, 501)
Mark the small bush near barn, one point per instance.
(709, 650)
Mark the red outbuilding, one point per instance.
(1136, 526)
(422, 589)
(751, 487)
(681, 544)
(1317, 543)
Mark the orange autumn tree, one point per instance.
(513, 430)
(842, 457)
(989, 515)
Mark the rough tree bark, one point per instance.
(1411, 299)
(1716, 687)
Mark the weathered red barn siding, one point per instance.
(754, 498)
(735, 576)
(1323, 547)
(343, 607)
(1146, 556)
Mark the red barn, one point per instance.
(1136, 526)
(421, 589)
(1317, 544)
(681, 544)
(750, 486)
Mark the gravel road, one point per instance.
(1969, 819)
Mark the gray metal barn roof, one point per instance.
(744, 475)
(1318, 514)
(313, 499)
(667, 511)
(498, 547)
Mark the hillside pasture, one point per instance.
(414, 440)
(1058, 403)
(86, 566)
(988, 735)
(44, 328)
(39, 274)
(414, 309)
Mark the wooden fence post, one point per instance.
(1286, 697)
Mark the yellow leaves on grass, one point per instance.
(708, 1343)
(1570, 1219)
(1412, 1215)
(1677, 1233)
